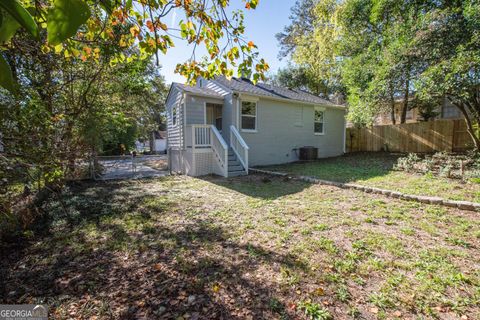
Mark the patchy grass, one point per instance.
(244, 248)
(376, 170)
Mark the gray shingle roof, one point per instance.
(263, 89)
(198, 91)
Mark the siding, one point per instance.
(283, 127)
(175, 132)
(195, 110)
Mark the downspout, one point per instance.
(237, 109)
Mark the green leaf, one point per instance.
(21, 15)
(64, 19)
(8, 27)
(107, 5)
(6, 79)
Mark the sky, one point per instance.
(261, 25)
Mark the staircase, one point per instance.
(235, 168)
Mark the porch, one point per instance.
(208, 152)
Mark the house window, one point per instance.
(174, 115)
(449, 111)
(319, 127)
(249, 115)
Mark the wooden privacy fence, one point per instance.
(421, 137)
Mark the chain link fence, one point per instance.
(128, 167)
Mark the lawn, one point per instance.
(252, 247)
(376, 170)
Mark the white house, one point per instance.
(225, 126)
(158, 142)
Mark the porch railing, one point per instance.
(220, 150)
(204, 136)
(239, 147)
(201, 135)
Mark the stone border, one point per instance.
(464, 205)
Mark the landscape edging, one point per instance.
(464, 205)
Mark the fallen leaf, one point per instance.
(319, 291)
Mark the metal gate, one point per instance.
(129, 167)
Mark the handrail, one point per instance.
(237, 143)
(223, 158)
(219, 137)
(239, 137)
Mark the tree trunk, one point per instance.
(468, 121)
(403, 118)
(392, 108)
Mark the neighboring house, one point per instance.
(226, 126)
(140, 146)
(158, 142)
(445, 110)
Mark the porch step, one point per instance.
(237, 173)
(233, 168)
(233, 162)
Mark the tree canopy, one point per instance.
(129, 29)
(379, 51)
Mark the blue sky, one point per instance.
(262, 24)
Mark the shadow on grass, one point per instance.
(259, 186)
(348, 168)
(107, 251)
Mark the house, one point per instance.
(158, 142)
(226, 126)
(445, 110)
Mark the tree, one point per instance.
(310, 40)
(81, 29)
(298, 77)
(302, 19)
(450, 43)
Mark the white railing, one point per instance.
(220, 150)
(206, 135)
(201, 135)
(239, 147)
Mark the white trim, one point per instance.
(205, 112)
(247, 115)
(248, 98)
(321, 109)
(237, 106)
